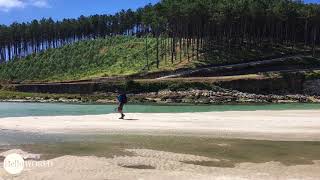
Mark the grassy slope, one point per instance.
(85, 59)
(117, 56)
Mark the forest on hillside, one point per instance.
(112, 56)
(198, 27)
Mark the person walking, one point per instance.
(122, 100)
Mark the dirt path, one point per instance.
(188, 73)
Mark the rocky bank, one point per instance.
(223, 96)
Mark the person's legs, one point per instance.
(120, 110)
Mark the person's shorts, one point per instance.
(120, 107)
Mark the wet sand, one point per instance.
(150, 164)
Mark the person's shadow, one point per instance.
(130, 119)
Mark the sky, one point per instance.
(27, 10)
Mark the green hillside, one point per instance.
(86, 59)
(163, 36)
(125, 55)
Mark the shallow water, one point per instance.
(8, 137)
(229, 151)
(50, 109)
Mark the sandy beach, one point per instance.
(147, 164)
(303, 125)
(150, 164)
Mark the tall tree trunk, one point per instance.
(173, 48)
(147, 55)
(314, 41)
(180, 50)
(158, 60)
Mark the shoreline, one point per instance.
(291, 125)
(112, 102)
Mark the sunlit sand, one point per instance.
(268, 125)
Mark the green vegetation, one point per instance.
(158, 37)
(230, 151)
(313, 74)
(83, 60)
(4, 95)
(207, 24)
(119, 56)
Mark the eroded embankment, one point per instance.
(293, 87)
